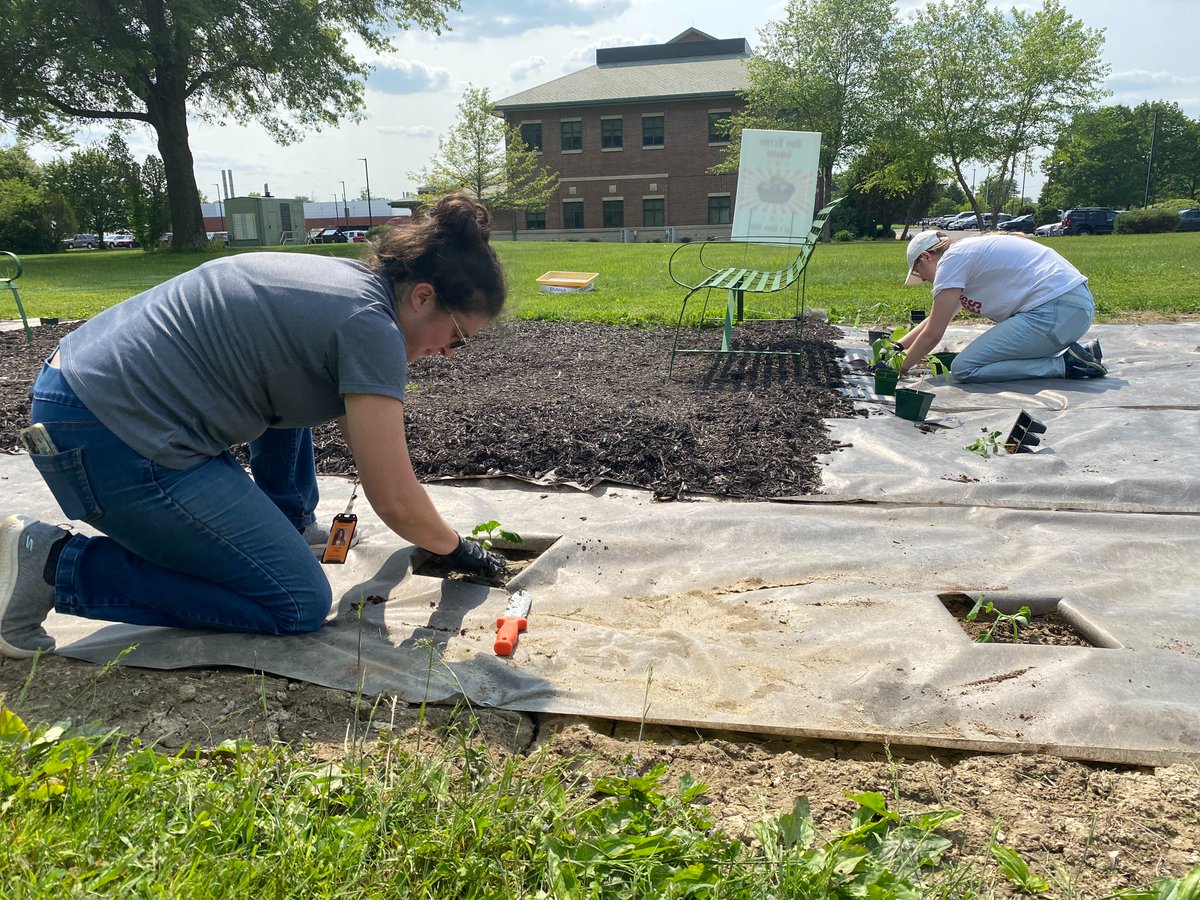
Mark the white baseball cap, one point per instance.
(926, 240)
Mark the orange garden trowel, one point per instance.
(510, 625)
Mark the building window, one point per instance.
(611, 137)
(614, 213)
(572, 135)
(535, 220)
(718, 127)
(572, 214)
(718, 210)
(531, 134)
(652, 131)
(654, 212)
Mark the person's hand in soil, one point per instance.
(470, 557)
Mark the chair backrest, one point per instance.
(10, 268)
(777, 186)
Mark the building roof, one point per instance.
(678, 69)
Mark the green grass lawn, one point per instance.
(1132, 276)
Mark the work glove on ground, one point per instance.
(470, 557)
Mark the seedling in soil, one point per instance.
(487, 533)
(988, 445)
(1017, 620)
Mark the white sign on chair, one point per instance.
(777, 186)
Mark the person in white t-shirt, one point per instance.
(1040, 303)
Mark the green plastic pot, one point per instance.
(945, 357)
(912, 404)
(885, 381)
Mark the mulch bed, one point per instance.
(580, 403)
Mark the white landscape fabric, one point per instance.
(816, 619)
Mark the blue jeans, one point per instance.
(1029, 344)
(203, 547)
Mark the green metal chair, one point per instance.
(738, 280)
(10, 271)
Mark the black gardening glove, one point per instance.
(471, 558)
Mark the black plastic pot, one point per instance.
(945, 357)
(885, 381)
(1023, 436)
(48, 320)
(912, 404)
(916, 315)
(873, 336)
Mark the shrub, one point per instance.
(843, 236)
(1146, 221)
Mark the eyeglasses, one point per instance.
(461, 341)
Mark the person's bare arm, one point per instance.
(375, 428)
(945, 305)
(913, 334)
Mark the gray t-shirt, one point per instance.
(219, 354)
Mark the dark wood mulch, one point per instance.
(580, 403)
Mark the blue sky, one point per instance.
(508, 46)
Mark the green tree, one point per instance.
(33, 219)
(15, 162)
(825, 66)
(1097, 160)
(991, 86)
(1176, 162)
(486, 157)
(154, 218)
(287, 64)
(95, 182)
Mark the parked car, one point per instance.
(330, 236)
(120, 240)
(79, 241)
(222, 236)
(1089, 220)
(1189, 220)
(1024, 224)
(356, 236)
(1050, 229)
(962, 222)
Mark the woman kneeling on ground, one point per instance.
(143, 401)
(1040, 304)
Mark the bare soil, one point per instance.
(578, 403)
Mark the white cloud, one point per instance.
(418, 131)
(403, 76)
(524, 68)
(584, 55)
(516, 17)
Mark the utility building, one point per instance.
(264, 221)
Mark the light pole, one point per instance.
(367, 172)
(345, 205)
(336, 215)
(220, 207)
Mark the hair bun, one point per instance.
(463, 217)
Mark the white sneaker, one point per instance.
(25, 598)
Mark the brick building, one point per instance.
(632, 139)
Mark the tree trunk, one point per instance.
(169, 118)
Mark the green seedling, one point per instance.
(1017, 870)
(937, 367)
(1018, 620)
(486, 533)
(884, 352)
(988, 445)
